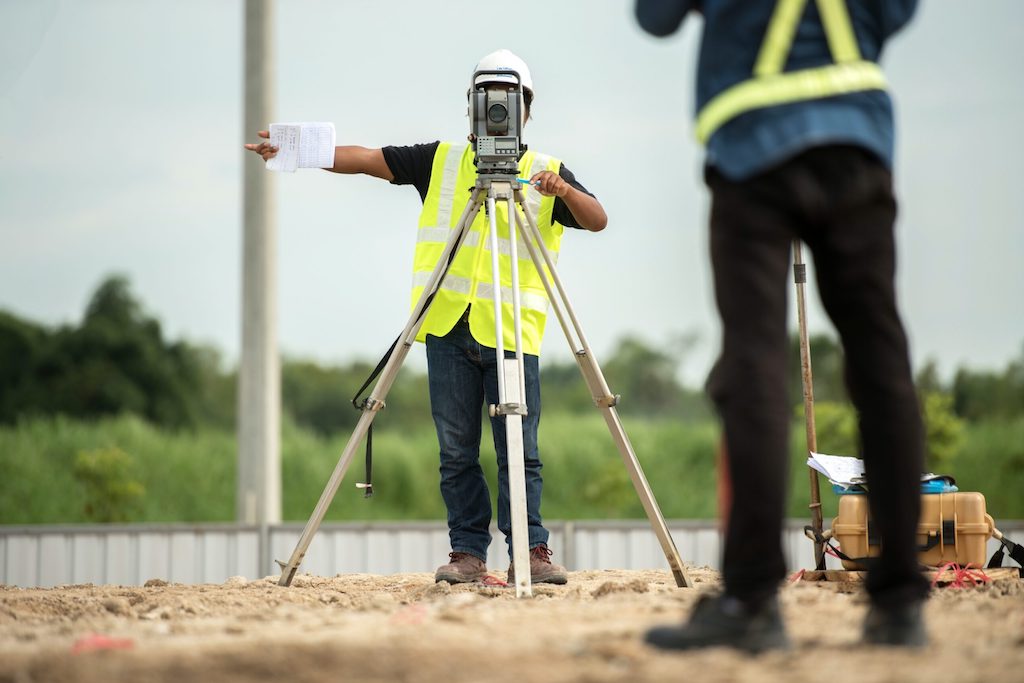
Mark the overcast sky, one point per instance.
(121, 152)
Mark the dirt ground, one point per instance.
(407, 628)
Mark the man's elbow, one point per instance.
(658, 30)
(598, 223)
(660, 19)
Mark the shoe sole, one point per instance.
(458, 578)
(912, 641)
(557, 580)
(673, 639)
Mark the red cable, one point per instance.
(962, 576)
(490, 580)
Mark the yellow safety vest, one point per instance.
(770, 86)
(469, 281)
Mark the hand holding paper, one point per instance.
(301, 145)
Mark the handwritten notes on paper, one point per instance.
(301, 145)
(839, 469)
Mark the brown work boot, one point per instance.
(542, 569)
(463, 568)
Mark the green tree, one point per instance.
(944, 431)
(216, 389)
(928, 381)
(116, 361)
(562, 388)
(646, 376)
(21, 342)
(320, 397)
(980, 395)
(835, 427)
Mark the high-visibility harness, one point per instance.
(770, 86)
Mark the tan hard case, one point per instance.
(953, 527)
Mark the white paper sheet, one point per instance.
(839, 469)
(302, 145)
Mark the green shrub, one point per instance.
(944, 431)
(112, 494)
(57, 470)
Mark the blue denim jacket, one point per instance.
(758, 140)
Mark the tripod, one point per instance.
(491, 188)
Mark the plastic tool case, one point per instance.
(953, 528)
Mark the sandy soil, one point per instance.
(407, 628)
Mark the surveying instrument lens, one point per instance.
(497, 113)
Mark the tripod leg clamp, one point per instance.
(507, 409)
(373, 404)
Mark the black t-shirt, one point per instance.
(412, 165)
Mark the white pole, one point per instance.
(259, 382)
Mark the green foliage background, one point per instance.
(108, 421)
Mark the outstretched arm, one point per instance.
(347, 159)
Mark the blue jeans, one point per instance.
(462, 373)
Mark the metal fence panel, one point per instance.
(87, 558)
(54, 559)
(22, 560)
(132, 554)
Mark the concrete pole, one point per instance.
(259, 375)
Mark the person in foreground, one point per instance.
(798, 125)
(459, 329)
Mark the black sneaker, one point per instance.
(725, 621)
(900, 626)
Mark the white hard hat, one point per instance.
(504, 60)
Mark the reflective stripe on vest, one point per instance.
(469, 279)
(770, 86)
(441, 235)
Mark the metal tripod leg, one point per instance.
(511, 388)
(599, 390)
(375, 402)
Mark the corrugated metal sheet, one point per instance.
(43, 556)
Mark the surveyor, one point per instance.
(459, 329)
(798, 125)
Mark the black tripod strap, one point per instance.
(356, 403)
(1006, 545)
(368, 484)
(825, 543)
(1016, 552)
(360, 404)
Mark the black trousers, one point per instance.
(839, 201)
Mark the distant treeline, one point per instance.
(118, 361)
(109, 421)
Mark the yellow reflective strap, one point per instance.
(428, 216)
(770, 86)
(449, 182)
(795, 86)
(778, 39)
(839, 31)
